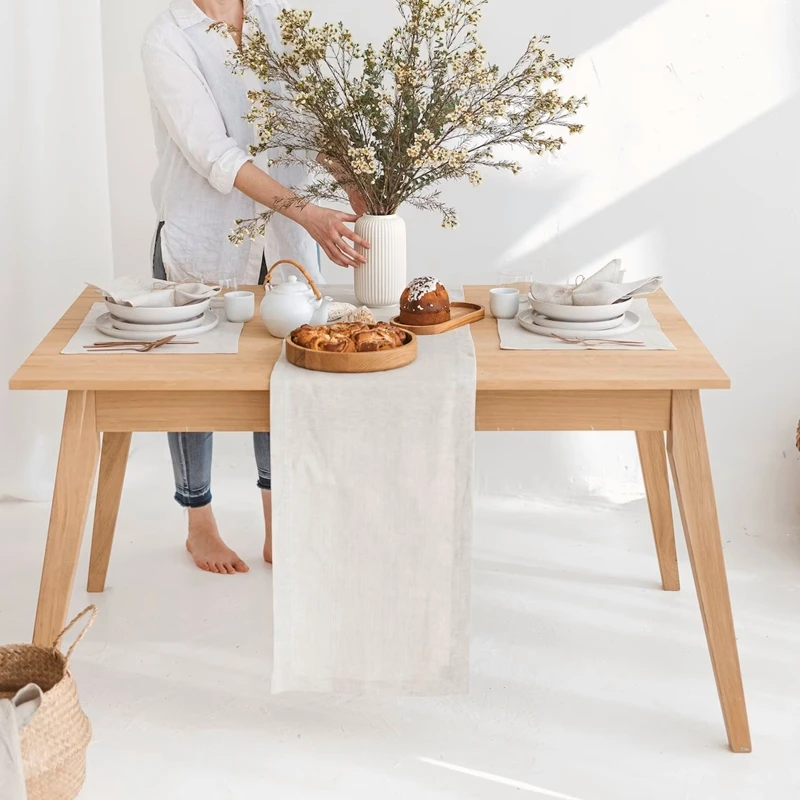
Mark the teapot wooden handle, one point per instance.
(268, 279)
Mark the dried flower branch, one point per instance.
(392, 122)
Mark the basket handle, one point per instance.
(268, 279)
(57, 643)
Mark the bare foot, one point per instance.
(208, 550)
(266, 498)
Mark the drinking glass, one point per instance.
(225, 280)
(515, 279)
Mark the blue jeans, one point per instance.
(191, 464)
(192, 452)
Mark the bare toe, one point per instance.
(211, 554)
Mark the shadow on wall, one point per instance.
(576, 26)
(722, 226)
(505, 30)
(712, 224)
(727, 235)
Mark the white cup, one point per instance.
(240, 306)
(504, 302)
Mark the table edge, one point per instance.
(718, 379)
(26, 384)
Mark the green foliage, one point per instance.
(393, 122)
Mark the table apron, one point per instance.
(645, 410)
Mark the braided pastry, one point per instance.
(379, 337)
(349, 337)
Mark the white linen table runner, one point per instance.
(372, 479)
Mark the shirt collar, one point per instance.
(186, 13)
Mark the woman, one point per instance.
(205, 180)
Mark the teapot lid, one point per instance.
(291, 286)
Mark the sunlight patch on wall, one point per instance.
(665, 88)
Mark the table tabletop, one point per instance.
(690, 366)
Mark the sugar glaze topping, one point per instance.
(420, 287)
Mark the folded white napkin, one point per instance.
(152, 293)
(603, 288)
(15, 714)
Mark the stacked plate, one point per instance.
(149, 324)
(549, 319)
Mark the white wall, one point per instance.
(54, 223)
(688, 167)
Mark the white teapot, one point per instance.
(290, 304)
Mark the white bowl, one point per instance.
(121, 325)
(156, 316)
(580, 313)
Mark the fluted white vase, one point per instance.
(380, 282)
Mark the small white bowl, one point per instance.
(156, 316)
(580, 313)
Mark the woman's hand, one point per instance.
(327, 227)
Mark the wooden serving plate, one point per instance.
(380, 361)
(460, 314)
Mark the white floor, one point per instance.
(588, 681)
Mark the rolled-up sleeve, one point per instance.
(190, 114)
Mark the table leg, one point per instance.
(77, 463)
(113, 461)
(688, 453)
(653, 456)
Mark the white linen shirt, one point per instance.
(202, 142)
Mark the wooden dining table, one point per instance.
(655, 394)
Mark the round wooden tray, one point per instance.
(380, 361)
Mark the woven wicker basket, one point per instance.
(54, 742)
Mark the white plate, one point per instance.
(121, 325)
(606, 325)
(580, 313)
(105, 325)
(631, 323)
(154, 316)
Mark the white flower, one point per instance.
(450, 221)
(363, 160)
